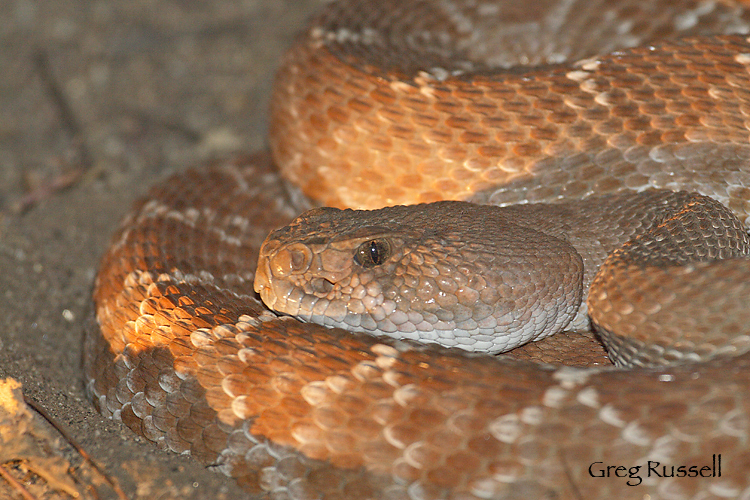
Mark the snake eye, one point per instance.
(372, 253)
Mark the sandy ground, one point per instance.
(135, 89)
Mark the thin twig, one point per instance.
(44, 190)
(86, 457)
(71, 125)
(15, 484)
(68, 118)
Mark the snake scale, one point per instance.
(613, 103)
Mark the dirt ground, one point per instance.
(109, 96)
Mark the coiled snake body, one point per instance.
(384, 103)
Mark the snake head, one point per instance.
(454, 273)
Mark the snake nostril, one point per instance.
(321, 285)
(294, 259)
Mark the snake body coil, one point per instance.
(385, 103)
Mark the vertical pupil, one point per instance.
(374, 252)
